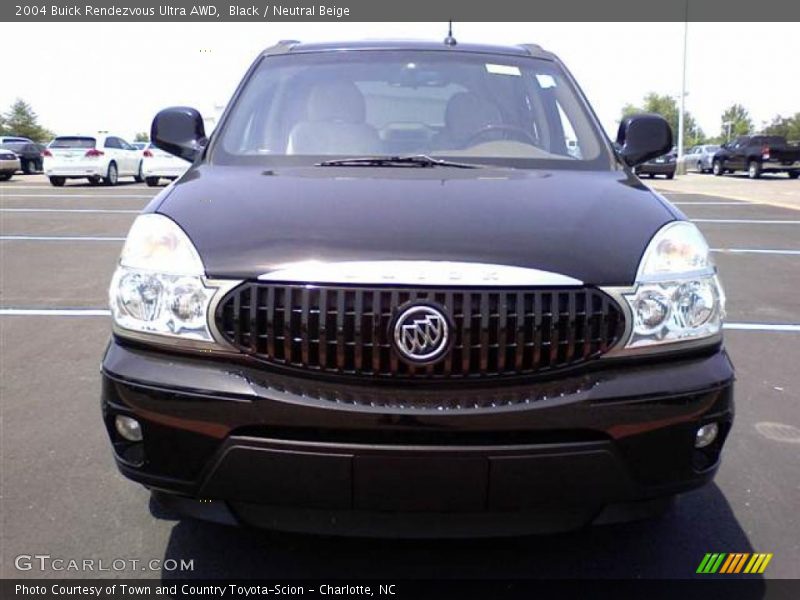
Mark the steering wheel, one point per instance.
(518, 132)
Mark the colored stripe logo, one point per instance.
(736, 562)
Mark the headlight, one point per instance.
(677, 296)
(159, 287)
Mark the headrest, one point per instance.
(467, 113)
(336, 101)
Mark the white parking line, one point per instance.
(747, 221)
(763, 327)
(58, 238)
(108, 196)
(755, 251)
(70, 210)
(736, 203)
(54, 312)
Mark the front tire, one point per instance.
(139, 178)
(717, 168)
(793, 174)
(5, 176)
(29, 168)
(112, 176)
(58, 181)
(700, 168)
(151, 181)
(94, 180)
(670, 175)
(754, 169)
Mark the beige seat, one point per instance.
(465, 115)
(335, 123)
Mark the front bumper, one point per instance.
(235, 443)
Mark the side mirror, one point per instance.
(642, 137)
(179, 130)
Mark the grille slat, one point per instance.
(348, 329)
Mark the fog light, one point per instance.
(706, 435)
(128, 428)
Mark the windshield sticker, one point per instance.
(503, 69)
(546, 81)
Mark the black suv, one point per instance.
(412, 289)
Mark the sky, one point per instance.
(84, 77)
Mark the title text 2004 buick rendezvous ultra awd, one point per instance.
(412, 289)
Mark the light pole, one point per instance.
(683, 86)
(728, 125)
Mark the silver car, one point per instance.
(9, 164)
(699, 158)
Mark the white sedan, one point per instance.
(98, 157)
(158, 164)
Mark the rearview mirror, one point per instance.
(642, 137)
(179, 130)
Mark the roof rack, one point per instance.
(536, 50)
(281, 47)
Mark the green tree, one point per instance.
(22, 120)
(789, 127)
(667, 107)
(736, 120)
(142, 136)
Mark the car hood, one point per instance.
(589, 225)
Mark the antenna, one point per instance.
(450, 40)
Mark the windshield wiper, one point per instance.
(416, 160)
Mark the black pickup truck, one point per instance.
(758, 154)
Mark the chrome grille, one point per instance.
(347, 329)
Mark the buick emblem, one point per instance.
(421, 334)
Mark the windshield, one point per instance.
(474, 108)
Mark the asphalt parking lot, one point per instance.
(62, 495)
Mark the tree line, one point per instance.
(735, 120)
(21, 120)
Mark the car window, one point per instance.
(112, 142)
(481, 107)
(73, 142)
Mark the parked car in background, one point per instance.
(661, 165)
(97, 157)
(157, 165)
(29, 153)
(9, 164)
(700, 158)
(758, 154)
(4, 139)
